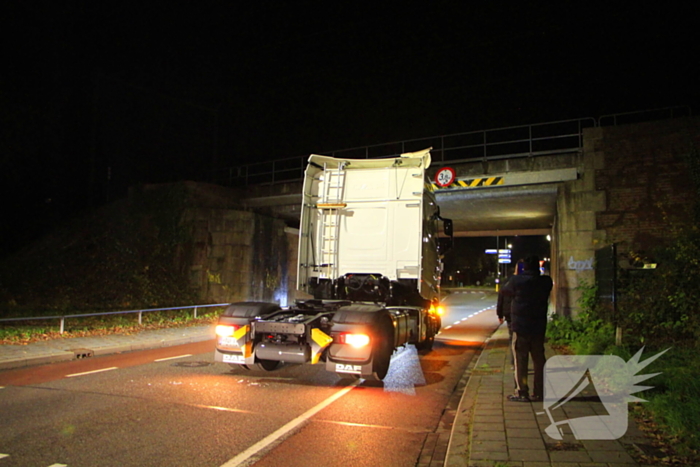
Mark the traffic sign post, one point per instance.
(503, 258)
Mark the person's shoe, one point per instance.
(518, 398)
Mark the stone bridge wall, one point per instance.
(633, 184)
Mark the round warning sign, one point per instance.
(445, 176)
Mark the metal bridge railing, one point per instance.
(558, 137)
(106, 313)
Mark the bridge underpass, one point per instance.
(607, 189)
(515, 198)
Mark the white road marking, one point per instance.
(381, 427)
(58, 465)
(4, 455)
(91, 372)
(243, 457)
(448, 327)
(223, 409)
(172, 358)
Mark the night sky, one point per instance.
(100, 96)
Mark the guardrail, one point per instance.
(140, 312)
(501, 143)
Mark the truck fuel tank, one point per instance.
(289, 353)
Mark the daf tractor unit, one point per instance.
(369, 255)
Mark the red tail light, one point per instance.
(353, 339)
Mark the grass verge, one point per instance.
(33, 331)
(671, 417)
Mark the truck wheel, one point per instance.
(381, 355)
(427, 344)
(263, 365)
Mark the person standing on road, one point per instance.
(529, 292)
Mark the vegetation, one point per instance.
(127, 255)
(27, 332)
(658, 321)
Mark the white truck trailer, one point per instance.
(368, 254)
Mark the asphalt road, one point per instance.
(176, 407)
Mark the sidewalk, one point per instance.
(58, 350)
(490, 430)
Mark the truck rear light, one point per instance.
(355, 340)
(226, 330)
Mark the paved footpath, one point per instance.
(490, 430)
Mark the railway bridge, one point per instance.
(584, 183)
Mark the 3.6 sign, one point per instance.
(445, 176)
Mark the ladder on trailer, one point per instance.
(329, 207)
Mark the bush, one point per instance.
(674, 397)
(588, 334)
(659, 307)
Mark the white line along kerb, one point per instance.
(241, 459)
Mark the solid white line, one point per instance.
(91, 372)
(172, 358)
(282, 432)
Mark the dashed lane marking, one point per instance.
(4, 455)
(173, 358)
(91, 372)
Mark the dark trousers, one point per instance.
(525, 345)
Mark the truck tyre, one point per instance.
(431, 326)
(381, 354)
(263, 365)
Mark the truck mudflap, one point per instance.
(364, 370)
(234, 343)
(236, 348)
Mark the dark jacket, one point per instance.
(530, 293)
(503, 306)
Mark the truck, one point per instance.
(369, 256)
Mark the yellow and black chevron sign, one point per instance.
(471, 183)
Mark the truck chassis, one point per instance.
(356, 339)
